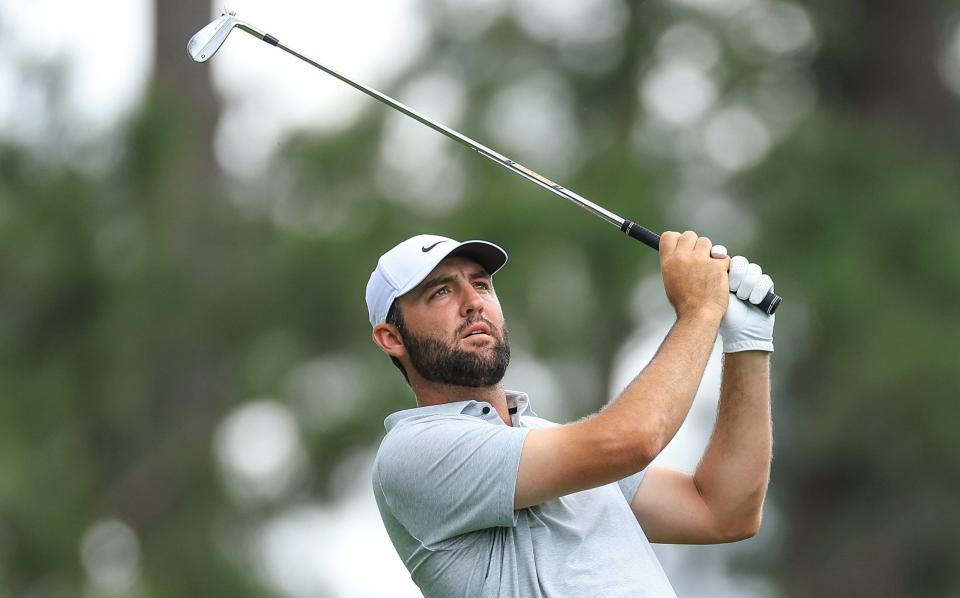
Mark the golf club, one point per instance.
(205, 43)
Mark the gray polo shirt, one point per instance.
(444, 480)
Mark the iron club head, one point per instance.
(208, 40)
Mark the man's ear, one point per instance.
(388, 339)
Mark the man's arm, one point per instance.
(623, 438)
(723, 500)
(629, 433)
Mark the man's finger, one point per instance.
(760, 290)
(687, 241)
(668, 242)
(738, 267)
(750, 280)
(703, 245)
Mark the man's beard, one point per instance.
(440, 362)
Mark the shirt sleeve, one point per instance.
(630, 485)
(446, 476)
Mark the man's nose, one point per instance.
(472, 302)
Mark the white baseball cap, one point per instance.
(406, 265)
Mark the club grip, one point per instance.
(651, 239)
(769, 304)
(642, 234)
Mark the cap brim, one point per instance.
(488, 255)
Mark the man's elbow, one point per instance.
(742, 528)
(633, 449)
(646, 444)
(640, 453)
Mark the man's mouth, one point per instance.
(476, 330)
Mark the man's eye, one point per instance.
(481, 285)
(440, 292)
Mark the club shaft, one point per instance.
(483, 150)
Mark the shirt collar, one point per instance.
(518, 401)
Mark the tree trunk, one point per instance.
(884, 67)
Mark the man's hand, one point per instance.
(745, 328)
(695, 282)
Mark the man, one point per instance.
(483, 498)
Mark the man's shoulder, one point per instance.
(416, 425)
(535, 421)
(420, 434)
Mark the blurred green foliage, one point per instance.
(139, 304)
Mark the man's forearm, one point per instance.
(653, 406)
(735, 469)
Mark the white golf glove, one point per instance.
(746, 328)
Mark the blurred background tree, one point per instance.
(184, 350)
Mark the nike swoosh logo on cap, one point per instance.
(426, 249)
